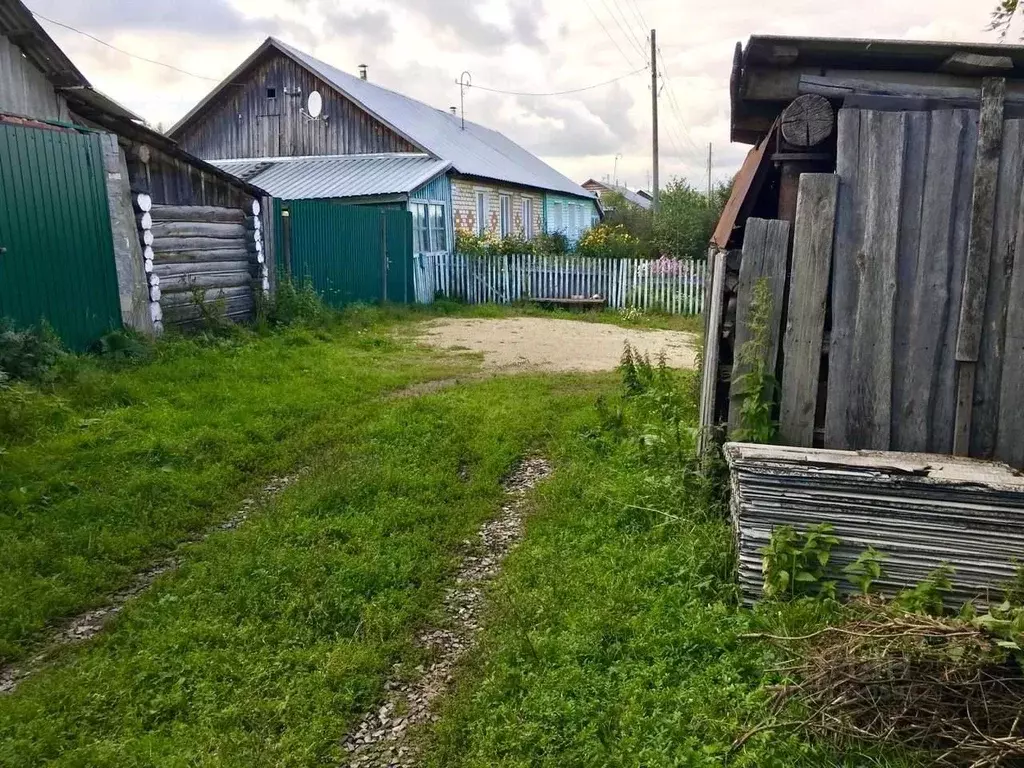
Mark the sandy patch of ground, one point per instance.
(537, 343)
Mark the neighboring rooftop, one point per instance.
(767, 72)
(304, 178)
(637, 198)
(475, 151)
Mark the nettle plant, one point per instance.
(758, 387)
(795, 564)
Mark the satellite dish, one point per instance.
(314, 104)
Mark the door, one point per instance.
(56, 247)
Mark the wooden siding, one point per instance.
(244, 122)
(437, 190)
(170, 181)
(24, 90)
(577, 215)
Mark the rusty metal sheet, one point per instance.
(745, 187)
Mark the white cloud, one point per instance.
(419, 47)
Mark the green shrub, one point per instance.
(30, 354)
(124, 345)
(296, 303)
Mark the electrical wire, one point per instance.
(607, 32)
(121, 50)
(627, 31)
(561, 93)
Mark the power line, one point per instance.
(121, 50)
(607, 32)
(627, 31)
(561, 93)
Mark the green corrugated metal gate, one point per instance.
(56, 250)
(350, 253)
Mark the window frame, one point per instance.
(437, 226)
(504, 215)
(481, 213)
(527, 212)
(557, 222)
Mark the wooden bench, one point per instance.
(576, 302)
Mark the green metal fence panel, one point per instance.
(349, 253)
(56, 248)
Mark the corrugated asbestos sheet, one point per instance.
(308, 178)
(921, 510)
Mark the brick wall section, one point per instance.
(464, 193)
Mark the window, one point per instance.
(556, 217)
(506, 215)
(528, 232)
(438, 231)
(481, 212)
(271, 93)
(429, 233)
(420, 228)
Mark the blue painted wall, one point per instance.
(572, 216)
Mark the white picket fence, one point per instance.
(673, 286)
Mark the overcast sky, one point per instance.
(420, 47)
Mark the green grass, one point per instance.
(102, 473)
(269, 641)
(615, 636)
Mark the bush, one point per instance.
(294, 304)
(124, 345)
(610, 241)
(30, 354)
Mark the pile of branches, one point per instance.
(913, 681)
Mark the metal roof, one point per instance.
(476, 151)
(633, 197)
(304, 178)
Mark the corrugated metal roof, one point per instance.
(306, 178)
(633, 197)
(475, 151)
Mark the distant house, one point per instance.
(639, 199)
(303, 129)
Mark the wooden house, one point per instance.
(81, 219)
(305, 130)
(880, 212)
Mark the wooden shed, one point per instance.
(881, 206)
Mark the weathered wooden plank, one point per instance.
(1010, 423)
(712, 347)
(844, 298)
(1009, 210)
(983, 206)
(905, 427)
(839, 86)
(808, 292)
(928, 297)
(947, 385)
(198, 268)
(220, 231)
(868, 224)
(763, 258)
(197, 213)
(967, 63)
(979, 256)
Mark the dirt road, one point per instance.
(541, 344)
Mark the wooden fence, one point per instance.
(673, 286)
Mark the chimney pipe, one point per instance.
(362, 72)
(454, 110)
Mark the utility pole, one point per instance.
(654, 117)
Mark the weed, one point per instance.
(124, 346)
(30, 354)
(795, 564)
(863, 572)
(758, 387)
(928, 597)
(297, 303)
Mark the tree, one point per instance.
(687, 219)
(1002, 17)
